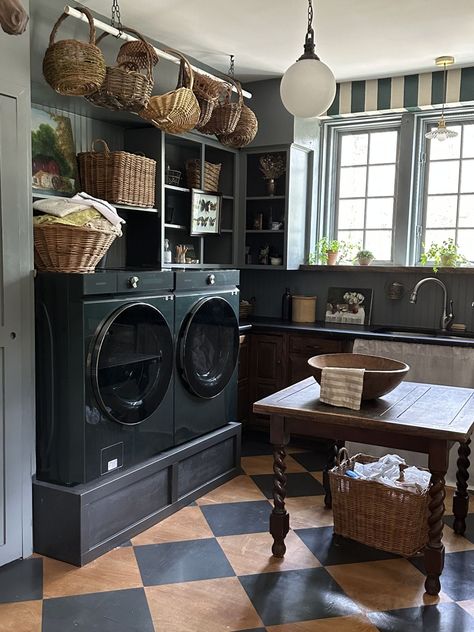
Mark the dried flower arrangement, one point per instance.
(272, 165)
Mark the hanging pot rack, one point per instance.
(103, 26)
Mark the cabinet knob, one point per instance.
(211, 279)
(133, 281)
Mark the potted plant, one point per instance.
(364, 257)
(330, 251)
(446, 255)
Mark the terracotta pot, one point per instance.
(332, 258)
(364, 261)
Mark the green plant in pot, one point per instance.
(444, 255)
(330, 252)
(364, 257)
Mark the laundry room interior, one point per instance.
(237, 316)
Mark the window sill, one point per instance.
(386, 268)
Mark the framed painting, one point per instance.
(205, 213)
(53, 154)
(349, 305)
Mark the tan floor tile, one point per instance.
(468, 606)
(187, 524)
(318, 476)
(308, 511)
(384, 585)
(293, 450)
(448, 502)
(221, 603)
(264, 464)
(454, 543)
(113, 571)
(252, 553)
(354, 623)
(239, 489)
(24, 616)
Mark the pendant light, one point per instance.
(308, 87)
(441, 132)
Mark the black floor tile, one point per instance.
(312, 461)
(254, 630)
(445, 617)
(336, 550)
(457, 579)
(187, 561)
(300, 484)
(296, 596)
(22, 580)
(117, 611)
(469, 535)
(237, 518)
(255, 447)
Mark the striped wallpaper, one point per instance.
(409, 92)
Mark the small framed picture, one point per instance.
(205, 213)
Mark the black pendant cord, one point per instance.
(116, 18)
(309, 45)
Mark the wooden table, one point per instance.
(419, 417)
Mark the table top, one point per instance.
(424, 410)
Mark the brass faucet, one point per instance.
(447, 316)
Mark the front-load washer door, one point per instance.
(132, 363)
(208, 347)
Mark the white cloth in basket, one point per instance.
(342, 387)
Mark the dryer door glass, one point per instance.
(209, 347)
(132, 363)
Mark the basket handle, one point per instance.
(188, 74)
(342, 455)
(105, 147)
(61, 19)
(126, 29)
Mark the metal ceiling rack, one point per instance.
(129, 38)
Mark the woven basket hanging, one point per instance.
(62, 248)
(176, 111)
(72, 67)
(124, 88)
(136, 55)
(226, 114)
(207, 92)
(245, 131)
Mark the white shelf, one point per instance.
(172, 187)
(37, 195)
(266, 197)
(177, 226)
(265, 230)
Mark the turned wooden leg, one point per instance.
(434, 551)
(331, 462)
(279, 518)
(461, 496)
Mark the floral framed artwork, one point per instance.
(53, 154)
(349, 305)
(205, 213)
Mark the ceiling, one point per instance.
(356, 38)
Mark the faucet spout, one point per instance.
(447, 315)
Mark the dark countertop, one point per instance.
(333, 330)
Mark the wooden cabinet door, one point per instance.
(301, 348)
(268, 364)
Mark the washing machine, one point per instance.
(207, 349)
(104, 379)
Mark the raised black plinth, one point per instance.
(78, 524)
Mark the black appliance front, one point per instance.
(104, 378)
(207, 350)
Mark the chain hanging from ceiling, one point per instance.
(232, 66)
(116, 19)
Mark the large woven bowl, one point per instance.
(381, 375)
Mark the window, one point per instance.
(448, 204)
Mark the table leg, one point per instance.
(279, 518)
(434, 550)
(331, 462)
(461, 496)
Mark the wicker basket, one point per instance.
(386, 518)
(245, 310)
(173, 177)
(207, 92)
(226, 114)
(177, 111)
(136, 55)
(211, 175)
(244, 133)
(118, 176)
(123, 88)
(63, 248)
(72, 67)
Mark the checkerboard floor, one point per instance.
(209, 568)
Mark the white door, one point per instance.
(12, 479)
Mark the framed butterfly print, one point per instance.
(205, 213)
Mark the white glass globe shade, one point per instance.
(308, 88)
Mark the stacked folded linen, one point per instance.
(342, 387)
